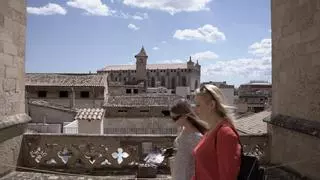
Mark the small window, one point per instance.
(122, 111)
(166, 113)
(144, 111)
(42, 94)
(128, 91)
(135, 91)
(84, 94)
(63, 94)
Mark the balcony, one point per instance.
(102, 156)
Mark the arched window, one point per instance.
(196, 84)
(163, 81)
(184, 81)
(153, 82)
(173, 83)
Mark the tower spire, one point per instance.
(142, 52)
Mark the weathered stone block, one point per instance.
(10, 48)
(315, 59)
(10, 85)
(11, 72)
(313, 46)
(17, 16)
(1, 20)
(6, 59)
(310, 34)
(18, 5)
(5, 35)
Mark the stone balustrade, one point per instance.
(104, 154)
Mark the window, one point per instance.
(84, 94)
(166, 112)
(153, 82)
(122, 111)
(63, 94)
(184, 81)
(144, 110)
(42, 94)
(163, 81)
(135, 91)
(128, 91)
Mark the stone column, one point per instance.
(12, 88)
(295, 123)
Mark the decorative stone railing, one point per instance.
(256, 145)
(103, 153)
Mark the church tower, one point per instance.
(141, 65)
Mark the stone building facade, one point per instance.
(295, 121)
(254, 96)
(139, 114)
(68, 90)
(155, 75)
(12, 90)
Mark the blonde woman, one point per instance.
(218, 154)
(192, 130)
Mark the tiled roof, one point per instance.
(142, 52)
(51, 105)
(90, 114)
(253, 124)
(144, 100)
(149, 67)
(53, 79)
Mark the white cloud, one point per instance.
(257, 67)
(206, 33)
(245, 68)
(49, 9)
(261, 49)
(172, 61)
(92, 7)
(133, 27)
(170, 6)
(205, 55)
(163, 42)
(155, 48)
(136, 16)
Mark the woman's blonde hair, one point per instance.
(183, 108)
(215, 94)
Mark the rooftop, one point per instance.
(51, 105)
(56, 79)
(149, 67)
(90, 114)
(140, 100)
(253, 124)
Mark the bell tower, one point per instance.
(141, 65)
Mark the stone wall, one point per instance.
(96, 96)
(136, 111)
(39, 114)
(295, 123)
(152, 125)
(12, 93)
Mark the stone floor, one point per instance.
(43, 176)
(271, 174)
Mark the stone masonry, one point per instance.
(295, 122)
(12, 93)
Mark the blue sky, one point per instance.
(231, 39)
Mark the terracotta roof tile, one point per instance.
(149, 67)
(53, 79)
(253, 124)
(144, 100)
(90, 114)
